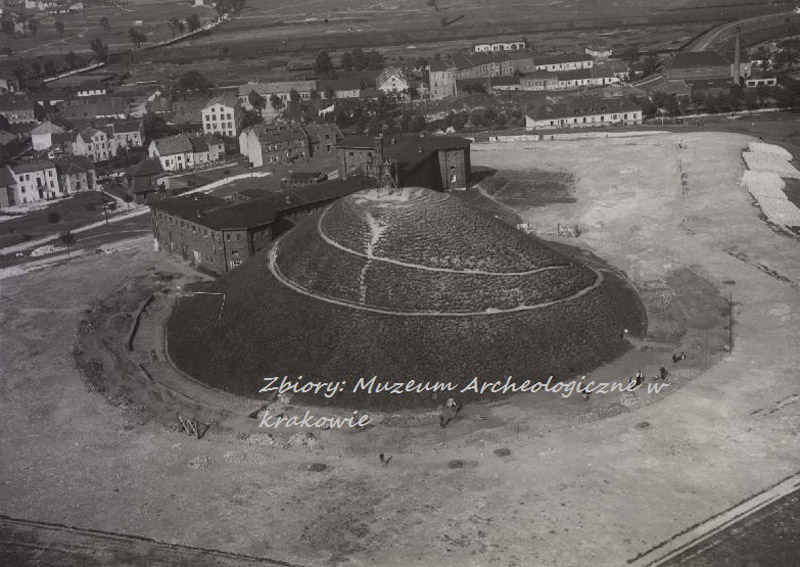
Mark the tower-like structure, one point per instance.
(737, 58)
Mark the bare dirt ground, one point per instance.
(587, 483)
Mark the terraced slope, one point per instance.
(415, 285)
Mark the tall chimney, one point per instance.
(377, 158)
(737, 58)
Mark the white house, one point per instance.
(94, 144)
(178, 153)
(42, 135)
(599, 51)
(392, 80)
(223, 115)
(126, 133)
(31, 181)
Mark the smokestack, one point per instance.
(737, 60)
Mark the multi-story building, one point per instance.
(127, 133)
(29, 182)
(218, 236)
(17, 110)
(223, 115)
(274, 144)
(584, 112)
(444, 73)
(94, 144)
(75, 174)
(441, 163)
(181, 152)
(322, 138)
(392, 80)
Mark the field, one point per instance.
(587, 482)
(73, 212)
(80, 28)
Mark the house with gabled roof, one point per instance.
(223, 115)
(392, 80)
(181, 152)
(94, 144)
(42, 135)
(75, 174)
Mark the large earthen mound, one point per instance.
(405, 285)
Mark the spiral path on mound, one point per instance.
(356, 268)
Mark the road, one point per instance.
(724, 32)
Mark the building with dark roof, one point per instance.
(17, 109)
(144, 178)
(75, 173)
(697, 66)
(441, 163)
(30, 181)
(218, 236)
(584, 112)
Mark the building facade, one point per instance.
(75, 174)
(392, 80)
(181, 152)
(94, 144)
(585, 112)
(30, 182)
(283, 143)
(223, 115)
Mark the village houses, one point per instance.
(28, 182)
(283, 143)
(181, 152)
(392, 80)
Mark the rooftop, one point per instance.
(692, 59)
(583, 106)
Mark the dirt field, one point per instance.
(586, 483)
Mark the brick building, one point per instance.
(219, 236)
(441, 163)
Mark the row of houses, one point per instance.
(390, 80)
(584, 112)
(287, 143)
(96, 144)
(446, 72)
(40, 180)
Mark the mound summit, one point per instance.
(407, 285)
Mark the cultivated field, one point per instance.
(586, 482)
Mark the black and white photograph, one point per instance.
(400, 283)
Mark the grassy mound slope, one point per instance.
(267, 329)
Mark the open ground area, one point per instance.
(89, 402)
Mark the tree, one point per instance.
(323, 65)
(33, 25)
(193, 80)
(53, 217)
(176, 25)
(105, 25)
(256, 100)
(359, 59)
(137, 37)
(49, 67)
(193, 22)
(36, 69)
(330, 94)
(375, 60)
(59, 27)
(20, 73)
(631, 54)
(99, 48)
(294, 96)
(6, 23)
(347, 61)
(71, 59)
(275, 102)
